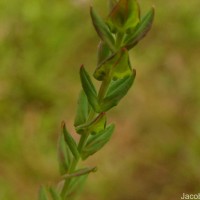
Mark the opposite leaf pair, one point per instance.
(116, 91)
(124, 18)
(122, 30)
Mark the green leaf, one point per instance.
(95, 126)
(89, 89)
(98, 124)
(103, 69)
(55, 195)
(140, 30)
(122, 67)
(103, 52)
(43, 194)
(102, 29)
(64, 155)
(117, 91)
(125, 15)
(133, 17)
(76, 185)
(96, 142)
(118, 63)
(82, 109)
(104, 55)
(70, 142)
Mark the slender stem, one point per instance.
(79, 173)
(103, 88)
(74, 163)
(67, 182)
(84, 137)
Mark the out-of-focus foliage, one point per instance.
(42, 45)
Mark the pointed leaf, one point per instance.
(96, 142)
(95, 126)
(118, 63)
(55, 195)
(64, 155)
(140, 30)
(98, 124)
(89, 89)
(70, 142)
(102, 29)
(103, 69)
(43, 194)
(118, 91)
(114, 85)
(124, 15)
(122, 67)
(133, 17)
(82, 109)
(103, 52)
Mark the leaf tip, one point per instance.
(91, 10)
(103, 114)
(81, 68)
(62, 124)
(124, 49)
(134, 72)
(153, 10)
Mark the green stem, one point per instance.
(74, 164)
(119, 39)
(84, 137)
(103, 88)
(79, 173)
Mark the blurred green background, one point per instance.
(155, 151)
